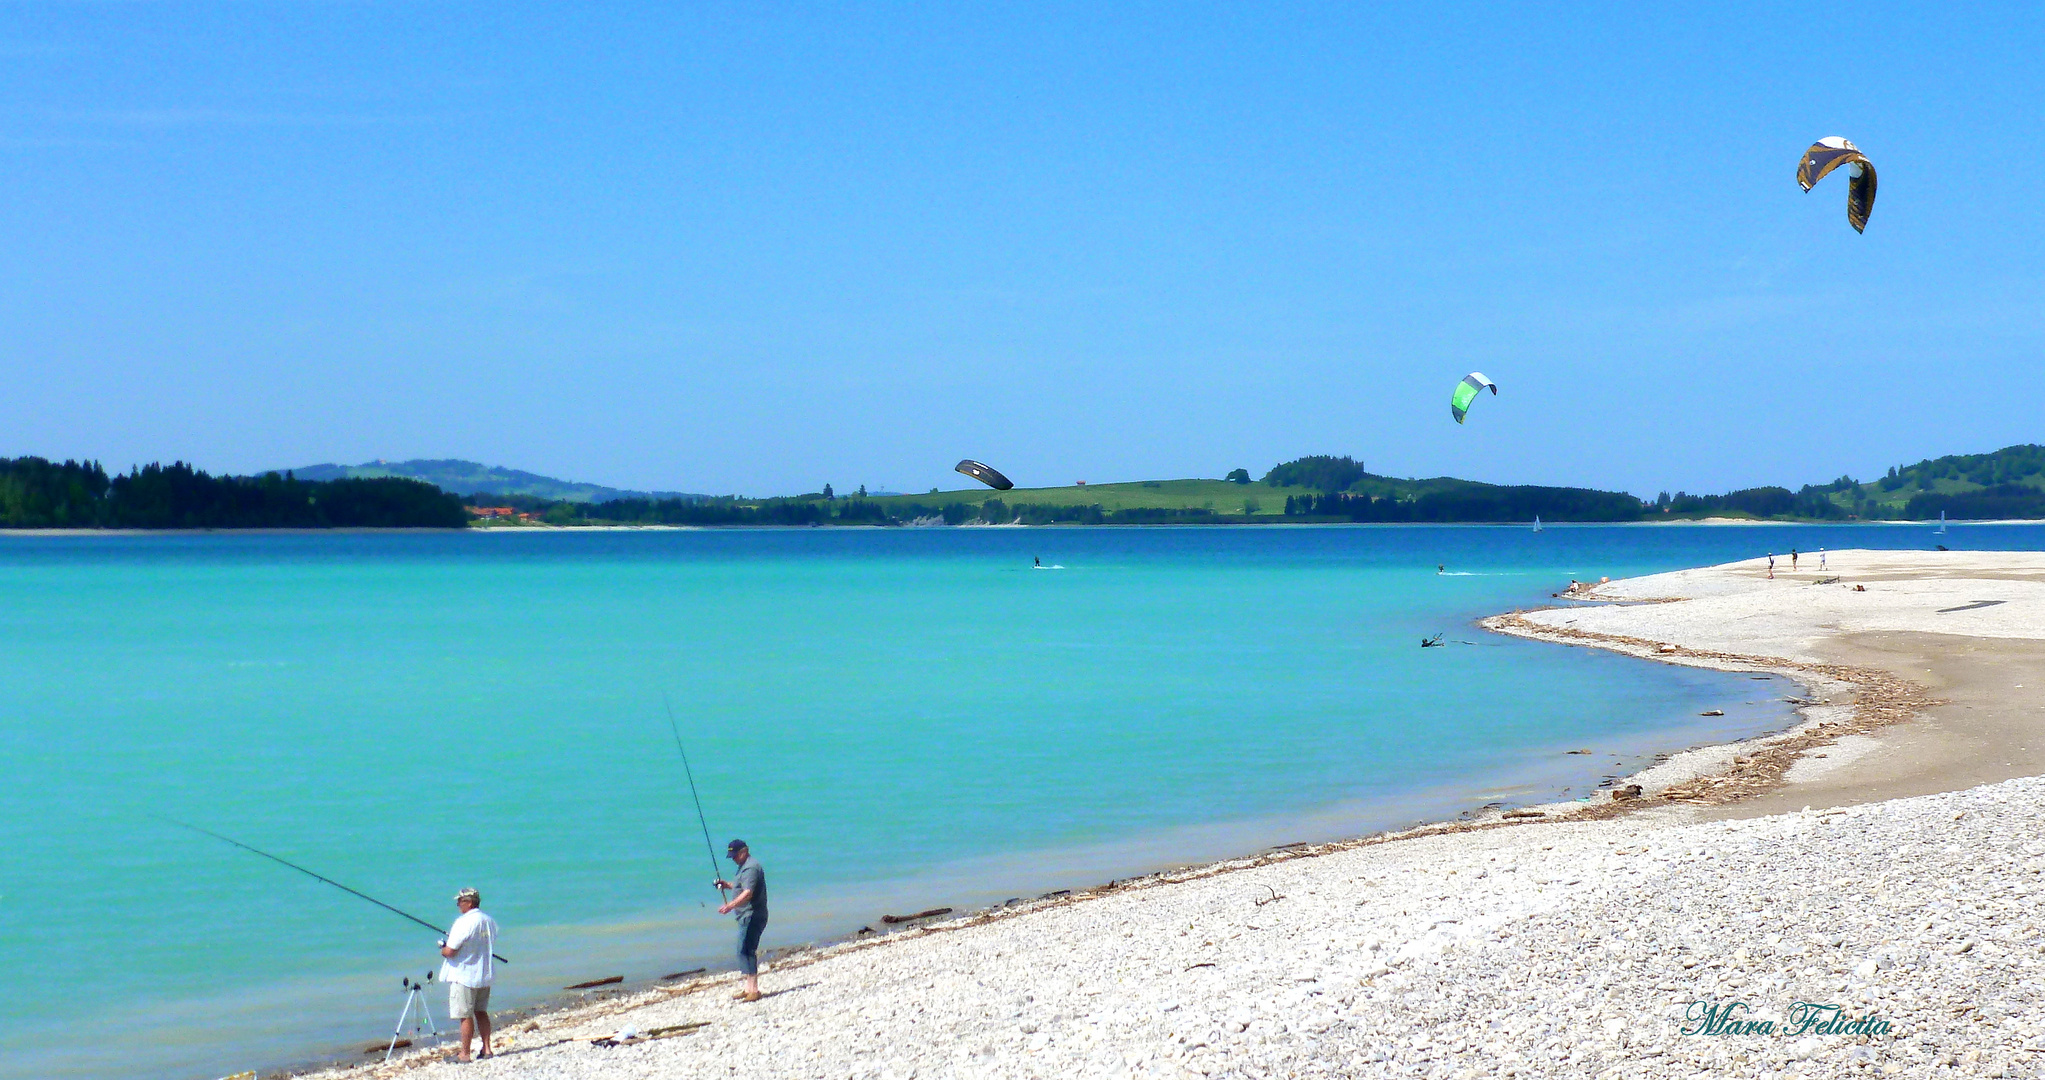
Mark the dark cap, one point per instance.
(734, 846)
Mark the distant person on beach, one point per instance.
(751, 906)
(1821, 559)
(1792, 560)
(1771, 566)
(467, 970)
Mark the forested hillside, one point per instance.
(471, 479)
(2009, 483)
(40, 494)
(35, 493)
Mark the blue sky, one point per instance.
(716, 248)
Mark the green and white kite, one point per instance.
(1466, 392)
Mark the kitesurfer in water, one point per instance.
(1434, 642)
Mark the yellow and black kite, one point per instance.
(1831, 152)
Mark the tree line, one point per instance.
(37, 493)
(1811, 502)
(2000, 501)
(40, 494)
(850, 510)
(2008, 500)
(1517, 503)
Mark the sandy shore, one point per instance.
(1563, 948)
(1942, 656)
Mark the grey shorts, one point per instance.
(464, 1002)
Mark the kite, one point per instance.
(1831, 152)
(985, 474)
(1466, 392)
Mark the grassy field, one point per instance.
(1254, 499)
(1220, 496)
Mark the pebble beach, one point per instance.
(1888, 924)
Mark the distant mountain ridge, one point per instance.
(470, 478)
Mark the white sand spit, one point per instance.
(1737, 608)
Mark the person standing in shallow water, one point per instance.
(751, 907)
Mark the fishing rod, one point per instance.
(310, 874)
(708, 848)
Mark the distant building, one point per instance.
(1079, 483)
(495, 512)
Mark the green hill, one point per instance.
(1218, 496)
(469, 478)
(1304, 491)
(1310, 488)
(2007, 483)
(1369, 498)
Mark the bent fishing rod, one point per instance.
(310, 874)
(717, 872)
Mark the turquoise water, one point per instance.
(895, 719)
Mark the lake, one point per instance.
(894, 719)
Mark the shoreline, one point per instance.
(544, 528)
(571, 1006)
(1691, 789)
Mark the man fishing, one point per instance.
(467, 970)
(751, 906)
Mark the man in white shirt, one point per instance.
(468, 971)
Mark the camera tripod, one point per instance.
(415, 993)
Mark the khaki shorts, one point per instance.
(464, 1002)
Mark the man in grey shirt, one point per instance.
(751, 906)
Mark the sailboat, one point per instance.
(1537, 523)
(1941, 524)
